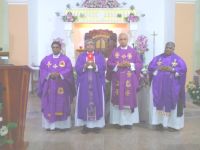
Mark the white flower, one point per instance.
(3, 131)
(144, 70)
(1, 119)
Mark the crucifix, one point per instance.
(154, 42)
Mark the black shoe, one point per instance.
(50, 129)
(172, 129)
(96, 130)
(62, 130)
(85, 130)
(117, 126)
(128, 126)
(159, 127)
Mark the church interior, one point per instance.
(27, 29)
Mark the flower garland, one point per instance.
(4, 129)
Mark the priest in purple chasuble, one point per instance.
(90, 67)
(56, 89)
(124, 66)
(167, 73)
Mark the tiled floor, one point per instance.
(140, 137)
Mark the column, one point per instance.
(69, 46)
(169, 8)
(133, 26)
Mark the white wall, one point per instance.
(33, 32)
(44, 26)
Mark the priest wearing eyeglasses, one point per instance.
(90, 68)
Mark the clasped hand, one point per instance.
(165, 68)
(124, 64)
(90, 63)
(54, 75)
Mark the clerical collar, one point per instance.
(56, 56)
(90, 52)
(124, 47)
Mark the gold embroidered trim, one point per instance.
(59, 113)
(174, 63)
(116, 55)
(49, 64)
(159, 62)
(129, 74)
(129, 56)
(62, 63)
(60, 91)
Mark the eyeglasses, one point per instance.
(90, 44)
(55, 47)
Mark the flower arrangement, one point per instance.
(194, 91)
(144, 78)
(69, 17)
(132, 17)
(4, 129)
(141, 44)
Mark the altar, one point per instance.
(131, 17)
(102, 25)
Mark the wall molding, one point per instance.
(26, 1)
(186, 1)
(16, 2)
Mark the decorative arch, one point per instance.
(105, 40)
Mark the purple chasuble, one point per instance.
(168, 88)
(124, 82)
(56, 95)
(90, 84)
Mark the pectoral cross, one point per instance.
(174, 63)
(55, 66)
(154, 42)
(49, 64)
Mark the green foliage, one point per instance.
(4, 129)
(194, 91)
(1, 107)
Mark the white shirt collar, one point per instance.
(90, 52)
(124, 47)
(56, 56)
